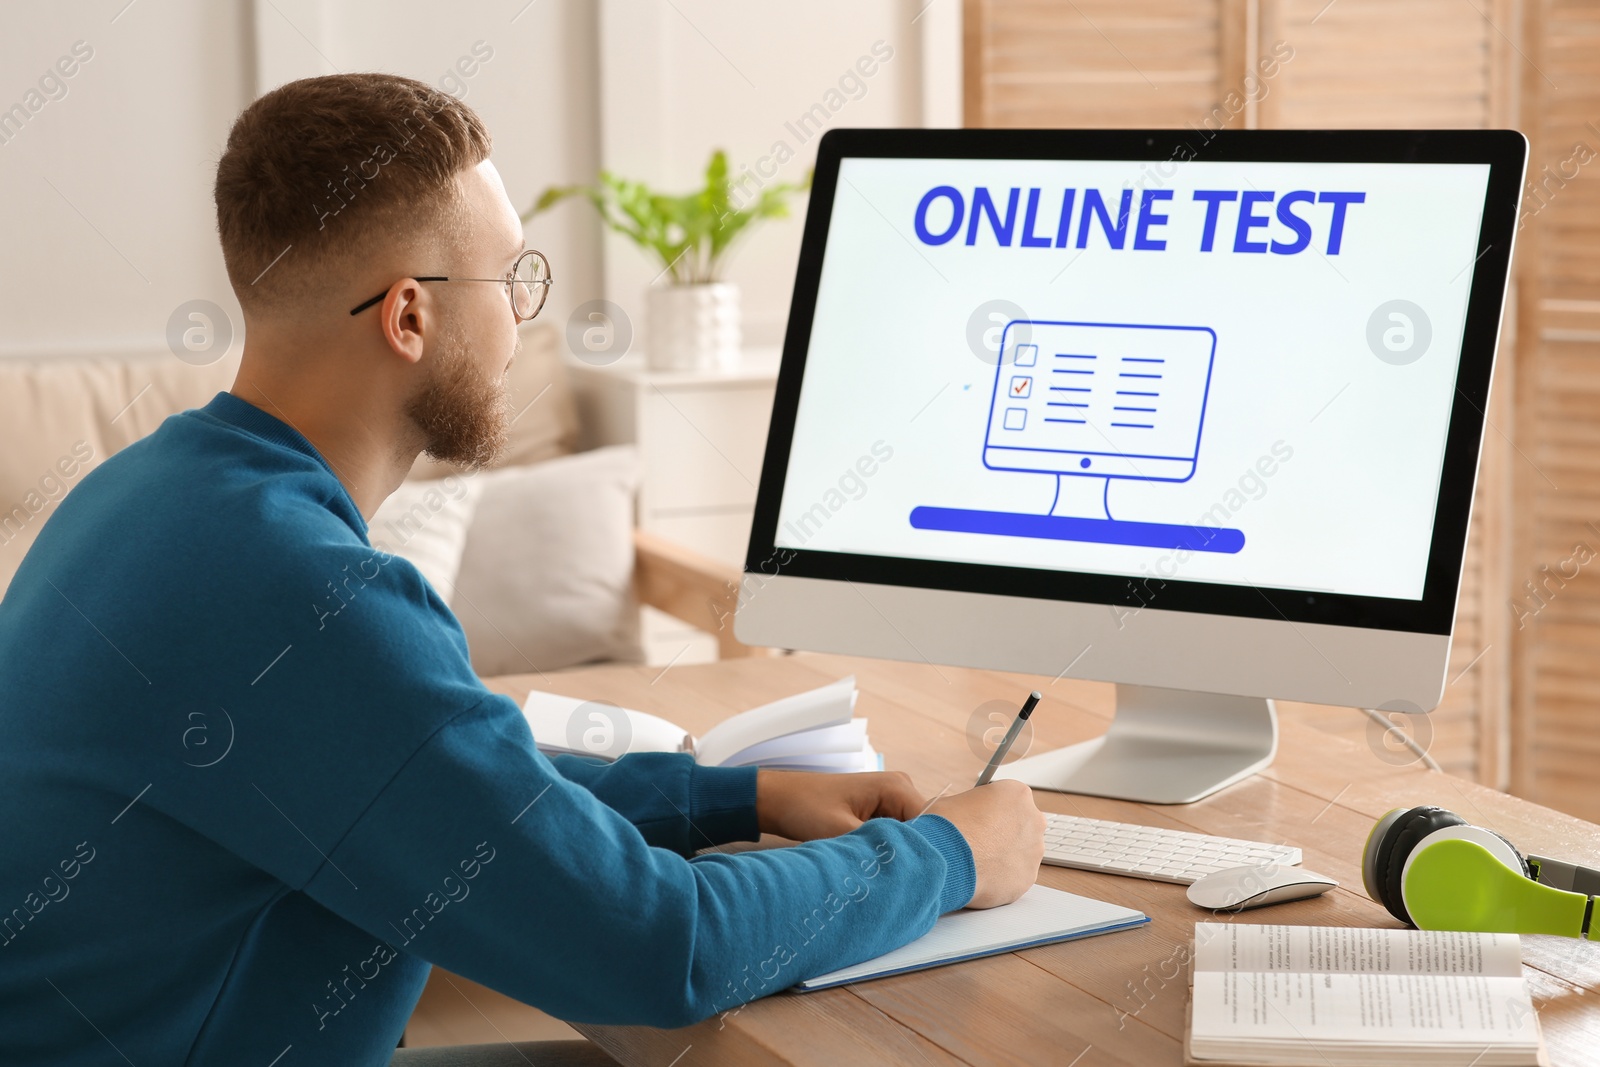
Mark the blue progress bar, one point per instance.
(1072, 528)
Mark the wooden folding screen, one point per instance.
(1519, 710)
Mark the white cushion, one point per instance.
(426, 522)
(546, 579)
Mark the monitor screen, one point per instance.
(1232, 372)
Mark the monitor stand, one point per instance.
(1165, 746)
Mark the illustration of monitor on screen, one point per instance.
(1096, 400)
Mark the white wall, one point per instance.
(106, 220)
(680, 80)
(105, 194)
(537, 92)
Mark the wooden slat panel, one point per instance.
(1105, 63)
(1424, 63)
(1557, 650)
(1381, 63)
(1034, 63)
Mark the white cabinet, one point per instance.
(701, 438)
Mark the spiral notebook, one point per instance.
(1040, 916)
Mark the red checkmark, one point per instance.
(1019, 387)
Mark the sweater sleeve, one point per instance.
(480, 857)
(674, 802)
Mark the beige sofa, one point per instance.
(61, 416)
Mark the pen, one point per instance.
(1011, 735)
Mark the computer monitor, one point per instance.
(1194, 412)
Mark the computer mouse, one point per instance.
(1238, 888)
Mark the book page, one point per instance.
(1354, 950)
(831, 762)
(828, 705)
(1452, 1010)
(562, 724)
(846, 737)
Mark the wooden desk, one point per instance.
(1114, 999)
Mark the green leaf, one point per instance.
(550, 197)
(687, 233)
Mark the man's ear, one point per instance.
(406, 318)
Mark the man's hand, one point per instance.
(803, 805)
(1005, 830)
(1000, 822)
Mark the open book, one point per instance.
(810, 731)
(1331, 995)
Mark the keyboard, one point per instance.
(1160, 855)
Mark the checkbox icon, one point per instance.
(1026, 355)
(1016, 418)
(1021, 387)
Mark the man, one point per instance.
(377, 809)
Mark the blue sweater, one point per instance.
(253, 790)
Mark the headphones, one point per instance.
(1435, 871)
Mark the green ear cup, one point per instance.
(1460, 885)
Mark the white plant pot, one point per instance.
(692, 327)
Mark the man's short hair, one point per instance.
(320, 171)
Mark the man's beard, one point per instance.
(463, 415)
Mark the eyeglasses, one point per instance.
(527, 284)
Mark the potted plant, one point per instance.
(692, 320)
